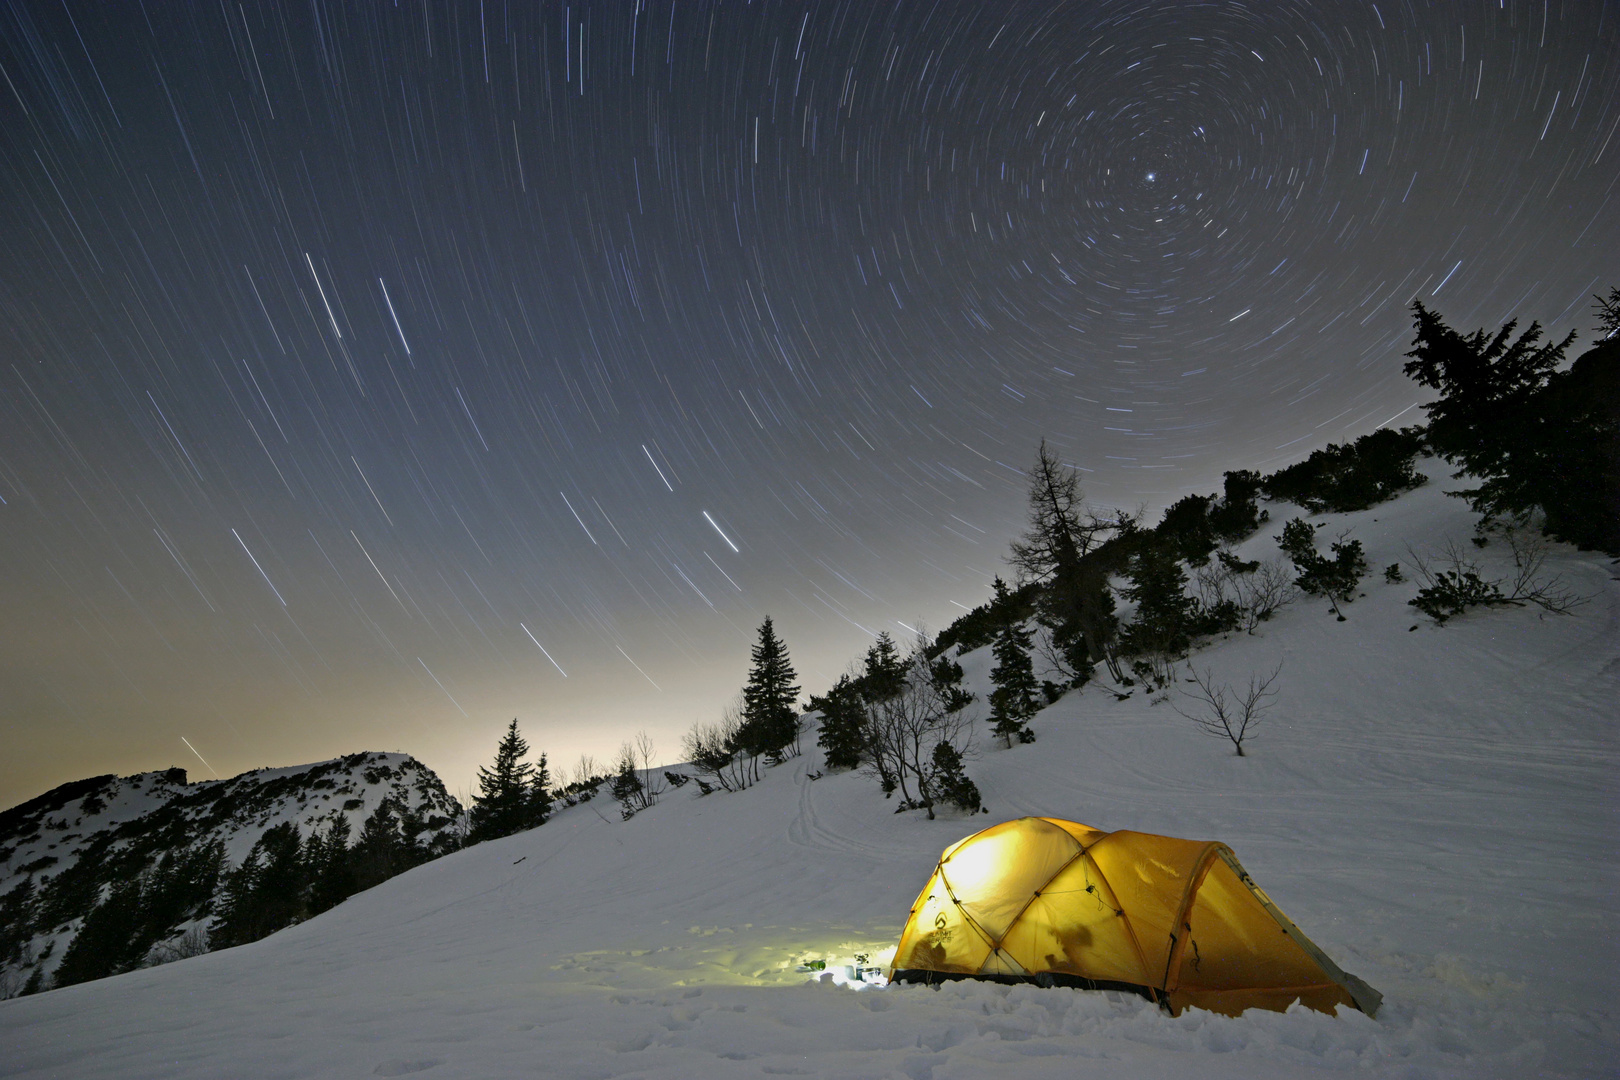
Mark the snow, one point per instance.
(1434, 807)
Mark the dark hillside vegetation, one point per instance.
(108, 874)
(1352, 476)
(1538, 439)
(1544, 441)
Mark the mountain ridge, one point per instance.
(70, 846)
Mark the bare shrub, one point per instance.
(1453, 581)
(1269, 589)
(580, 785)
(635, 784)
(1551, 594)
(715, 751)
(194, 942)
(1226, 713)
(904, 731)
(1258, 589)
(1157, 670)
(586, 769)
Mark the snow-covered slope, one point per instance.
(1434, 807)
(86, 835)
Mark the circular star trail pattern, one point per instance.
(377, 373)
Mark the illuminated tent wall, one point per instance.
(1178, 921)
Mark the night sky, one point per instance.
(366, 367)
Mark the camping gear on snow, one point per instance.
(1059, 903)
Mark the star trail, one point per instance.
(352, 351)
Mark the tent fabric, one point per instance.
(1177, 921)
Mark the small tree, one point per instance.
(715, 751)
(540, 797)
(1057, 550)
(583, 782)
(506, 801)
(633, 783)
(1016, 696)
(627, 786)
(945, 676)
(1252, 590)
(1459, 585)
(885, 670)
(1608, 314)
(883, 682)
(843, 721)
(1238, 514)
(949, 781)
(1165, 615)
(1224, 712)
(1336, 578)
(771, 699)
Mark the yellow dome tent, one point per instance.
(1058, 903)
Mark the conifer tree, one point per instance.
(949, 781)
(843, 721)
(110, 941)
(266, 892)
(1014, 699)
(1534, 436)
(377, 854)
(540, 792)
(281, 885)
(330, 870)
(1058, 533)
(945, 678)
(770, 699)
(176, 889)
(1165, 615)
(627, 786)
(1334, 578)
(233, 908)
(506, 802)
(1060, 548)
(17, 910)
(883, 683)
(886, 670)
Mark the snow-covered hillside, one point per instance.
(85, 836)
(1434, 806)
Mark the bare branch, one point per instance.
(1529, 554)
(903, 730)
(1420, 565)
(586, 770)
(1458, 585)
(644, 756)
(1227, 713)
(1258, 589)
